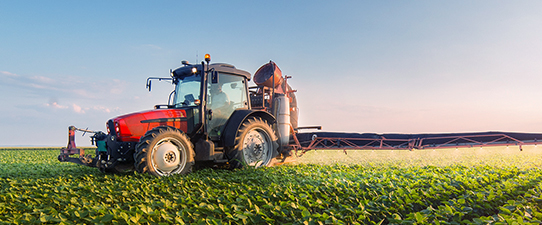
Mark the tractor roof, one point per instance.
(186, 70)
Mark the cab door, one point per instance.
(225, 95)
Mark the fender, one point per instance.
(237, 118)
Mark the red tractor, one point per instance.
(212, 119)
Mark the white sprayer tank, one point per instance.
(282, 113)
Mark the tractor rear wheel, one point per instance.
(255, 144)
(163, 151)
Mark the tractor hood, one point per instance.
(130, 127)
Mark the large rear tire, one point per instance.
(163, 151)
(255, 144)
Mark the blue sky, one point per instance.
(363, 66)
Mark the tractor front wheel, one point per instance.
(163, 151)
(255, 144)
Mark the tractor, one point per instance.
(212, 119)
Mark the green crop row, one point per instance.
(500, 188)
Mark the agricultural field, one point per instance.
(465, 186)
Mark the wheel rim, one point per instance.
(257, 147)
(168, 156)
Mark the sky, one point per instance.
(357, 66)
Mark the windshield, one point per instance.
(187, 91)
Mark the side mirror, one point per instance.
(149, 84)
(214, 77)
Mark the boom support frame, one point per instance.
(304, 142)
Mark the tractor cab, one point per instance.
(212, 92)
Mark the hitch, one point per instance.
(71, 148)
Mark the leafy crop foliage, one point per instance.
(465, 186)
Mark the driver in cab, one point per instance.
(219, 100)
(220, 103)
